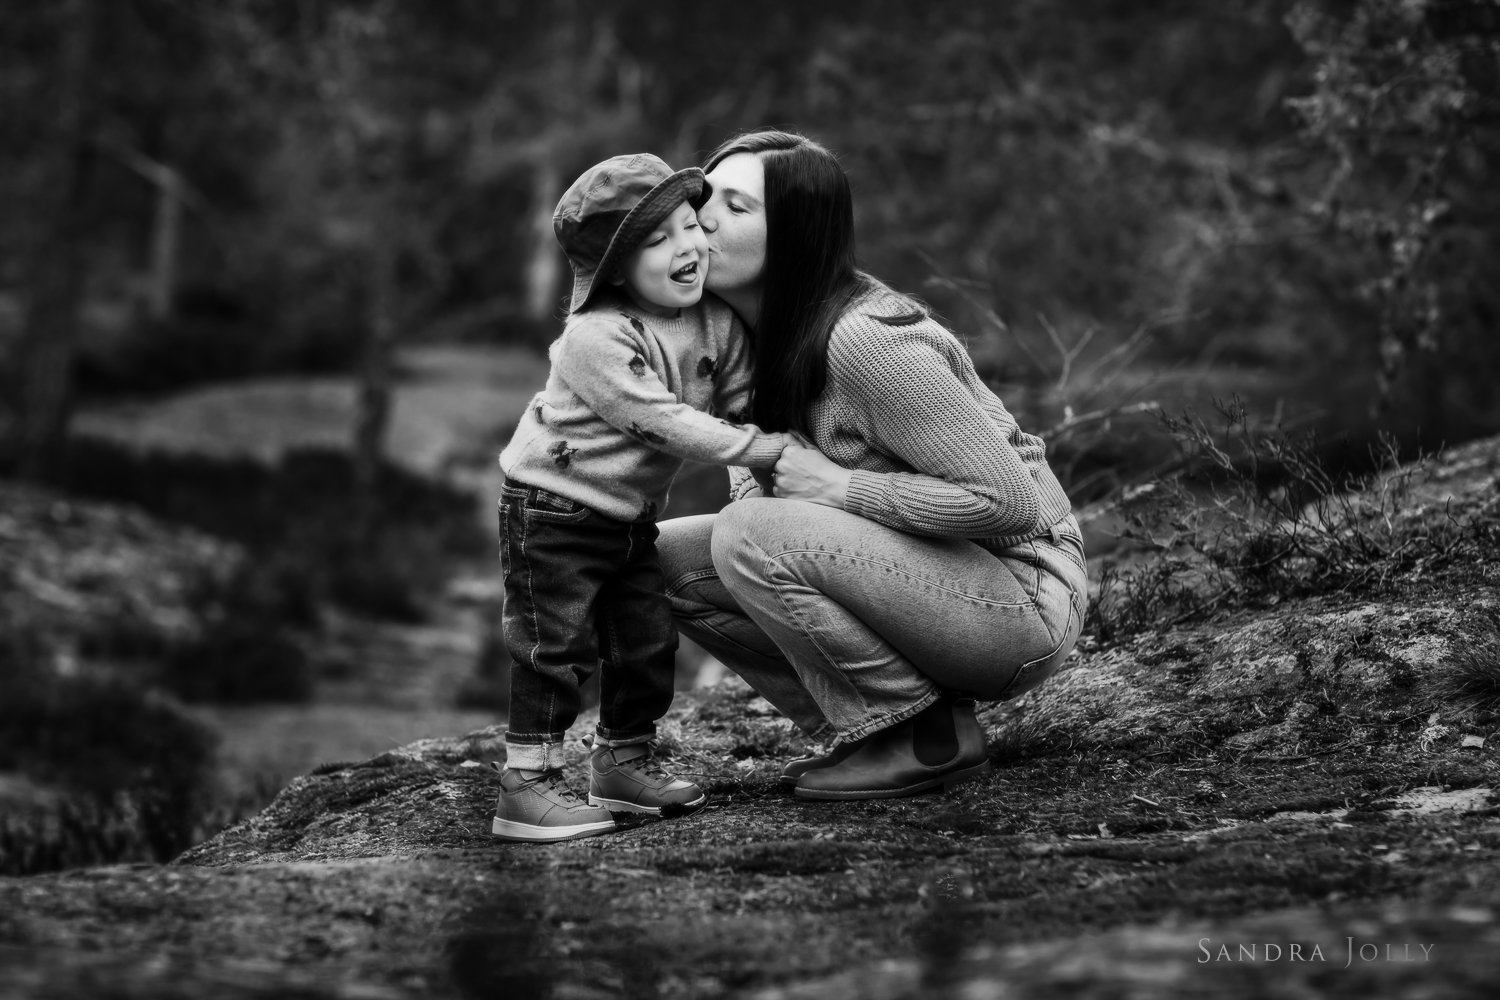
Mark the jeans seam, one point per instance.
(1024, 670)
(531, 613)
(896, 568)
(536, 627)
(681, 581)
(884, 721)
(802, 626)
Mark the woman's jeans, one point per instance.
(849, 627)
(580, 588)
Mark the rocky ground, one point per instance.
(1288, 799)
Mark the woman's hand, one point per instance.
(804, 473)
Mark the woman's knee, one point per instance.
(742, 535)
(682, 547)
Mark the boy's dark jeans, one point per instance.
(580, 589)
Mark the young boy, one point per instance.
(645, 375)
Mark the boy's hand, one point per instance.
(804, 473)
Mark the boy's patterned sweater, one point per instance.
(629, 398)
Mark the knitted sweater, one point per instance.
(629, 397)
(934, 451)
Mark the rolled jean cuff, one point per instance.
(546, 756)
(604, 738)
(823, 732)
(888, 720)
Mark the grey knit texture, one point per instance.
(630, 396)
(934, 451)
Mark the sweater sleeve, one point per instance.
(968, 479)
(732, 390)
(602, 363)
(732, 401)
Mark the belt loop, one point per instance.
(1056, 535)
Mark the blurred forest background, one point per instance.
(342, 208)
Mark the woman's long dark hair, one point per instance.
(810, 273)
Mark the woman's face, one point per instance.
(734, 219)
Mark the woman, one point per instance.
(919, 554)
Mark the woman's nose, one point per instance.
(707, 222)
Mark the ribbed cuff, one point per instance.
(864, 493)
(764, 450)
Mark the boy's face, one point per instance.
(666, 272)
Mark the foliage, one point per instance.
(1262, 514)
(246, 647)
(1405, 99)
(1472, 677)
(1249, 197)
(135, 767)
(295, 520)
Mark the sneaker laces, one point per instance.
(648, 764)
(553, 780)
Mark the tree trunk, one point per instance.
(166, 234)
(544, 265)
(55, 272)
(376, 372)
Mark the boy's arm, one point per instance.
(732, 400)
(604, 365)
(732, 391)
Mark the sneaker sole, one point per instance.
(946, 781)
(507, 829)
(669, 811)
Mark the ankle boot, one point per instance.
(798, 766)
(943, 745)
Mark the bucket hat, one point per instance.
(611, 208)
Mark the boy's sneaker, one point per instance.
(539, 806)
(628, 779)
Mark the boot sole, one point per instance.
(506, 829)
(669, 811)
(946, 781)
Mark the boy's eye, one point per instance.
(691, 225)
(656, 240)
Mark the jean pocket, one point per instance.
(1070, 542)
(548, 506)
(504, 542)
(1038, 670)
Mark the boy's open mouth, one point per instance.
(686, 274)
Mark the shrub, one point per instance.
(295, 519)
(1261, 513)
(1472, 672)
(136, 771)
(214, 334)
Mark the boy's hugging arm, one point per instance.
(732, 388)
(732, 398)
(606, 367)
